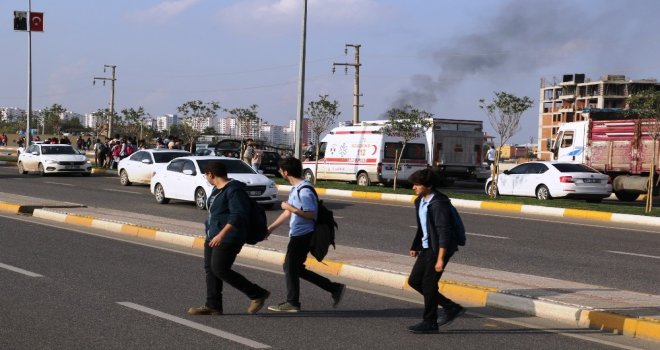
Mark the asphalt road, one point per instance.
(618, 256)
(67, 289)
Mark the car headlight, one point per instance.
(272, 185)
(50, 161)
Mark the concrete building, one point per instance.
(565, 101)
(11, 114)
(164, 122)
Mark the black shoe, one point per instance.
(424, 327)
(338, 295)
(450, 315)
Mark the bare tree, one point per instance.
(130, 122)
(52, 118)
(194, 113)
(504, 115)
(246, 118)
(646, 106)
(406, 123)
(322, 114)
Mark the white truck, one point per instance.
(457, 148)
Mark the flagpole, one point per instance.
(29, 92)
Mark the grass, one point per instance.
(612, 207)
(8, 158)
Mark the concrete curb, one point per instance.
(496, 206)
(642, 328)
(5, 162)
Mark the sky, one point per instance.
(438, 56)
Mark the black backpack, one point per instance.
(459, 228)
(257, 223)
(324, 229)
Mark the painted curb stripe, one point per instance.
(588, 214)
(10, 207)
(501, 206)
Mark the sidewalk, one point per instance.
(583, 305)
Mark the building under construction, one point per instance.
(564, 101)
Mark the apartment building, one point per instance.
(565, 101)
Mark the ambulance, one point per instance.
(363, 154)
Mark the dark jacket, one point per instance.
(439, 225)
(231, 205)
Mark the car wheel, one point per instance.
(308, 175)
(200, 198)
(160, 195)
(626, 196)
(41, 170)
(363, 179)
(123, 178)
(489, 189)
(542, 193)
(21, 170)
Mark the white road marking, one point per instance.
(219, 333)
(122, 191)
(338, 217)
(633, 254)
(487, 236)
(476, 234)
(59, 183)
(19, 270)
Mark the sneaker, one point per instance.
(257, 304)
(204, 310)
(450, 315)
(338, 294)
(284, 307)
(424, 327)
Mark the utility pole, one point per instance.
(112, 94)
(301, 86)
(356, 85)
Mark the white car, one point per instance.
(140, 166)
(53, 159)
(546, 180)
(183, 179)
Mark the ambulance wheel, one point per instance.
(308, 175)
(363, 179)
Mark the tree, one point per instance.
(101, 122)
(52, 118)
(406, 123)
(646, 106)
(194, 114)
(246, 119)
(322, 115)
(129, 124)
(209, 130)
(504, 115)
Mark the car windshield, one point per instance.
(58, 150)
(574, 168)
(233, 166)
(164, 157)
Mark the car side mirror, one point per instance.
(189, 172)
(506, 172)
(146, 161)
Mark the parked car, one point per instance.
(547, 180)
(140, 166)
(53, 159)
(183, 179)
(269, 163)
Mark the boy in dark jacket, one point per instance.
(433, 246)
(226, 226)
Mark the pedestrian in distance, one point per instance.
(434, 244)
(490, 156)
(226, 232)
(300, 211)
(248, 153)
(256, 158)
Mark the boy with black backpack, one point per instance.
(301, 212)
(226, 231)
(436, 241)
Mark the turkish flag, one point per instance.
(36, 21)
